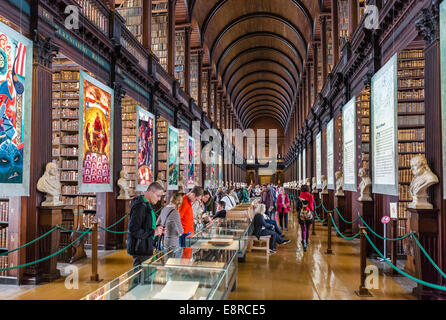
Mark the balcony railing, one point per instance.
(131, 44)
(96, 12)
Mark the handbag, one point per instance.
(159, 240)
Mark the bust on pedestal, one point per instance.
(49, 184)
(365, 187)
(423, 179)
(123, 186)
(324, 184)
(366, 205)
(314, 186)
(339, 184)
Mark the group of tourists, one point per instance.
(186, 214)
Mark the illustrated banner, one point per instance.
(349, 144)
(330, 153)
(145, 131)
(95, 136)
(384, 129)
(191, 163)
(174, 158)
(16, 54)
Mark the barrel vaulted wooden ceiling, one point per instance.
(258, 50)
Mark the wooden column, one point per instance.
(41, 144)
(352, 16)
(171, 37)
(309, 102)
(147, 25)
(200, 79)
(428, 27)
(209, 95)
(315, 69)
(335, 30)
(324, 48)
(187, 34)
(215, 103)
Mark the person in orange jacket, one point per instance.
(186, 212)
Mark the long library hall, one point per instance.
(223, 150)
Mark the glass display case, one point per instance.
(224, 238)
(176, 274)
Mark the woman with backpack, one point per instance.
(170, 218)
(306, 216)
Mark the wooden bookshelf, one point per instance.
(194, 77)
(159, 32)
(411, 127)
(131, 11)
(343, 23)
(329, 46)
(4, 236)
(180, 50)
(129, 150)
(204, 93)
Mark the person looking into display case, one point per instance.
(142, 224)
(170, 218)
(229, 200)
(221, 212)
(186, 212)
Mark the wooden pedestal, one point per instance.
(424, 223)
(49, 217)
(326, 202)
(366, 212)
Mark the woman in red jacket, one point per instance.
(307, 200)
(283, 207)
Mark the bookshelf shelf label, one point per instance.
(384, 129)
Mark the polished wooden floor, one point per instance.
(289, 274)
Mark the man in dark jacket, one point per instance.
(267, 200)
(221, 212)
(142, 224)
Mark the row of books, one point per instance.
(411, 94)
(4, 211)
(67, 103)
(411, 54)
(411, 134)
(66, 125)
(89, 203)
(69, 164)
(410, 107)
(403, 193)
(129, 139)
(59, 112)
(411, 147)
(129, 146)
(68, 175)
(411, 73)
(70, 139)
(66, 75)
(402, 210)
(4, 242)
(69, 152)
(406, 83)
(411, 120)
(411, 64)
(405, 175)
(65, 94)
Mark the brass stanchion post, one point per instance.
(363, 291)
(329, 251)
(94, 254)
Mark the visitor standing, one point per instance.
(306, 216)
(229, 201)
(283, 207)
(186, 212)
(142, 224)
(170, 218)
(267, 200)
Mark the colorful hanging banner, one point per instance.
(173, 160)
(95, 136)
(16, 53)
(191, 163)
(145, 131)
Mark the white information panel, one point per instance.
(384, 129)
(330, 153)
(349, 144)
(443, 84)
(319, 160)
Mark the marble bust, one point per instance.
(324, 184)
(339, 184)
(123, 185)
(49, 183)
(314, 186)
(422, 180)
(308, 182)
(365, 185)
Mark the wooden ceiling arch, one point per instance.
(261, 91)
(257, 50)
(272, 84)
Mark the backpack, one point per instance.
(305, 215)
